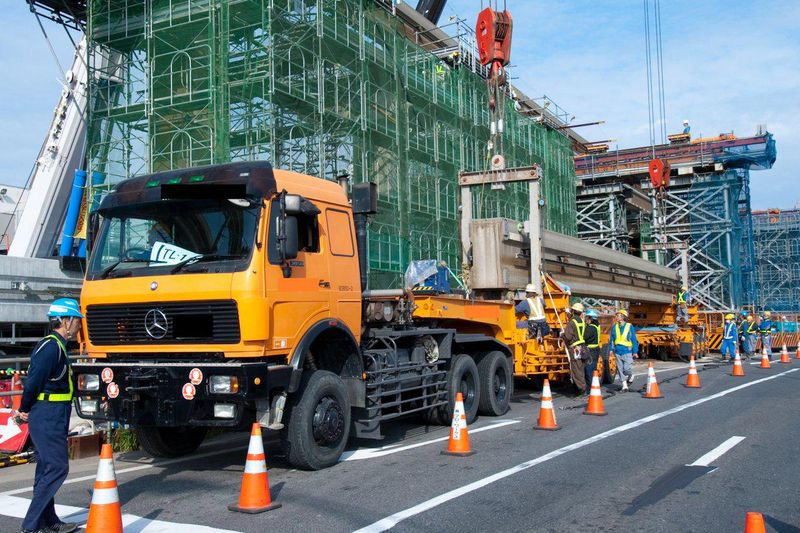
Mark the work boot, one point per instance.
(630, 380)
(63, 527)
(624, 386)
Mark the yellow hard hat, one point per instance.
(622, 312)
(577, 307)
(729, 316)
(767, 314)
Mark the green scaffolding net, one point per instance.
(321, 87)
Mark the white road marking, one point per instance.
(136, 468)
(391, 521)
(371, 453)
(717, 452)
(16, 507)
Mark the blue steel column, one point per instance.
(73, 210)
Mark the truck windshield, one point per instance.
(174, 236)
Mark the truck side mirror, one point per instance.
(289, 244)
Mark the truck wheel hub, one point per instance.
(328, 423)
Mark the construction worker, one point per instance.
(45, 406)
(750, 332)
(765, 329)
(592, 338)
(682, 305)
(533, 308)
(574, 339)
(625, 347)
(729, 337)
(686, 128)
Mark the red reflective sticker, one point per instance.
(107, 375)
(112, 390)
(188, 391)
(195, 376)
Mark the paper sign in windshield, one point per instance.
(169, 254)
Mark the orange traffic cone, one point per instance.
(652, 392)
(785, 355)
(105, 515)
(693, 379)
(547, 417)
(738, 370)
(754, 523)
(254, 496)
(458, 444)
(797, 353)
(765, 359)
(595, 406)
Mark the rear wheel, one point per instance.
(319, 421)
(462, 377)
(170, 442)
(496, 384)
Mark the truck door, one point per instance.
(345, 279)
(302, 298)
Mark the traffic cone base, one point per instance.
(754, 523)
(738, 370)
(547, 416)
(595, 405)
(458, 443)
(652, 392)
(765, 360)
(254, 495)
(693, 379)
(105, 514)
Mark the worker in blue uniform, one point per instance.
(624, 345)
(730, 337)
(750, 332)
(46, 405)
(686, 127)
(765, 329)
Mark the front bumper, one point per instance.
(170, 394)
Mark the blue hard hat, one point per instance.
(65, 307)
(744, 313)
(592, 313)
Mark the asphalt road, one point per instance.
(696, 460)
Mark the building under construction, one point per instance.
(322, 87)
(700, 202)
(777, 234)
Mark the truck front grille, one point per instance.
(194, 322)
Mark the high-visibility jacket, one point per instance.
(536, 309)
(623, 339)
(580, 328)
(752, 327)
(597, 343)
(730, 332)
(682, 297)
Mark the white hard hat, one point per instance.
(686, 121)
(530, 287)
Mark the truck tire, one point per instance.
(319, 421)
(170, 442)
(463, 377)
(496, 384)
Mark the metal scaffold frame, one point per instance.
(321, 87)
(603, 220)
(777, 237)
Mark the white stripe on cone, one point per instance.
(255, 467)
(547, 404)
(256, 445)
(105, 470)
(105, 496)
(459, 420)
(651, 378)
(595, 387)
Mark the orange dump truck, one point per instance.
(223, 295)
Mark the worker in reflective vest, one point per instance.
(729, 337)
(533, 308)
(750, 330)
(592, 338)
(682, 305)
(576, 345)
(624, 345)
(45, 406)
(765, 328)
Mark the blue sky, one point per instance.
(729, 65)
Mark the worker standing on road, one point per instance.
(729, 337)
(682, 305)
(625, 347)
(592, 338)
(46, 405)
(750, 330)
(533, 308)
(574, 338)
(765, 328)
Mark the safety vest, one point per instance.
(535, 309)
(59, 396)
(729, 329)
(750, 329)
(621, 336)
(580, 327)
(682, 297)
(597, 327)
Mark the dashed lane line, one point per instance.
(717, 452)
(392, 520)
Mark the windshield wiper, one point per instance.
(110, 268)
(199, 258)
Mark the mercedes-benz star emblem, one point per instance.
(155, 323)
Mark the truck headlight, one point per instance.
(224, 410)
(223, 384)
(88, 382)
(88, 406)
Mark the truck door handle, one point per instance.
(324, 284)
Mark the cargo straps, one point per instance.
(59, 396)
